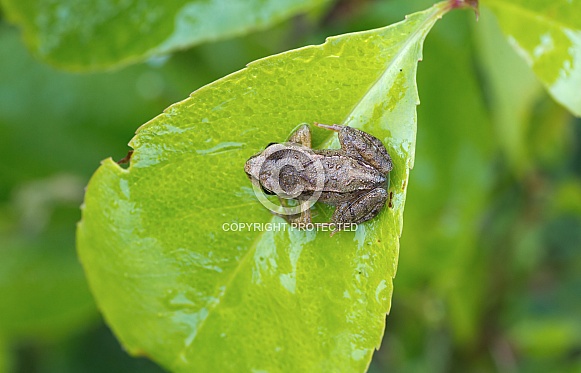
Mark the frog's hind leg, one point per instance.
(363, 146)
(302, 136)
(364, 208)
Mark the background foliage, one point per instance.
(489, 267)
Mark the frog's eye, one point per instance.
(271, 144)
(266, 191)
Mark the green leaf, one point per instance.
(5, 356)
(98, 34)
(43, 290)
(449, 186)
(42, 286)
(512, 89)
(546, 336)
(175, 286)
(547, 34)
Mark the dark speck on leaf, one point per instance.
(126, 159)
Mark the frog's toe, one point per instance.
(301, 135)
(332, 127)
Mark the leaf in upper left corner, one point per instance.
(100, 34)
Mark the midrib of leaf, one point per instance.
(437, 11)
(219, 295)
(529, 14)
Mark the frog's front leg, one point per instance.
(361, 209)
(301, 219)
(361, 145)
(301, 135)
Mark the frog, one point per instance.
(354, 178)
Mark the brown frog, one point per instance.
(353, 178)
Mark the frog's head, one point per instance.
(254, 166)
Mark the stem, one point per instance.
(453, 4)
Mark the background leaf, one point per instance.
(176, 287)
(42, 284)
(512, 90)
(4, 357)
(94, 34)
(453, 163)
(547, 34)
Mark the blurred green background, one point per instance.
(489, 275)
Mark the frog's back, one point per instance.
(345, 174)
(337, 176)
